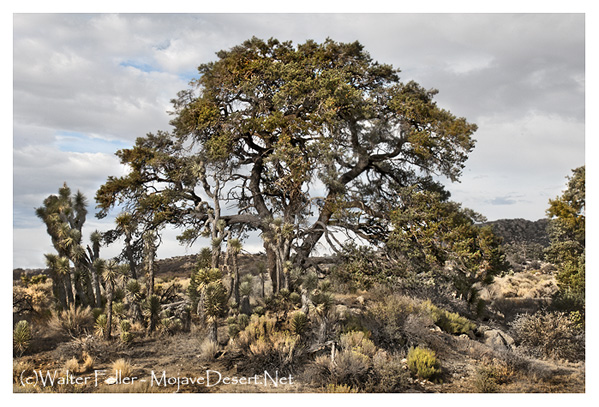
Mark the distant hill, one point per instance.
(518, 231)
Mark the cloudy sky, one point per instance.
(88, 85)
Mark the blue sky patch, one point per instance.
(142, 66)
(74, 142)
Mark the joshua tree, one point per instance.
(125, 225)
(110, 274)
(64, 216)
(152, 308)
(215, 306)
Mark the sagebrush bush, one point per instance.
(359, 342)
(551, 334)
(423, 363)
(388, 315)
(21, 338)
(388, 374)
(72, 322)
(350, 367)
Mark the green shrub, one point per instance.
(423, 363)
(21, 337)
(450, 322)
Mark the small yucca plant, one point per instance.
(299, 323)
(21, 337)
(101, 325)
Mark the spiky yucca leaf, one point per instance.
(21, 337)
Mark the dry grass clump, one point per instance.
(19, 367)
(71, 365)
(72, 322)
(79, 365)
(123, 366)
(208, 350)
(522, 285)
(550, 334)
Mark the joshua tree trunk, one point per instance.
(213, 335)
(108, 331)
(96, 281)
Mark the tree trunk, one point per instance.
(98, 291)
(130, 258)
(236, 285)
(213, 334)
(69, 288)
(150, 273)
(108, 331)
(271, 267)
(245, 306)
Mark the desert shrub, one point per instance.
(339, 388)
(388, 374)
(298, 323)
(387, 317)
(21, 338)
(19, 367)
(259, 310)
(423, 363)
(550, 334)
(265, 347)
(123, 366)
(36, 298)
(72, 322)
(87, 362)
(359, 342)
(350, 368)
(492, 374)
(71, 365)
(170, 326)
(450, 322)
(125, 327)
